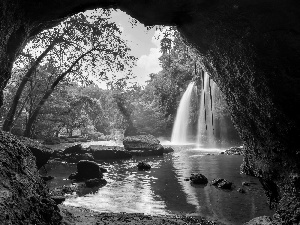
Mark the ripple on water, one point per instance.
(163, 190)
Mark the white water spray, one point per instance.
(180, 128)
(205, 133)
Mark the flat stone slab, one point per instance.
(141, 142)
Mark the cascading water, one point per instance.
(180, 128)
(205, 134)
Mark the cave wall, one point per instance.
(24, 198)
(251, 49)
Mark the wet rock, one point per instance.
(143, 166)
(241, 190)
(24, 196)
(143, 145)
(92, 148)
(86, 170)
(141, 142)
(64, 190)
(95, 182)
(73, 176)
(168, 149)
(75, 149)
(245, 183)
(47, 178)
(102, 152)
(222, 183)
(58, 199)
(41, 152)
(198, 179)
(57, 155)
(234, 151)
(74, 158)
(72, 155)
(261, 220)
(103, 170)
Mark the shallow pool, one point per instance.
(163, 189)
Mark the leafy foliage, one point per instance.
(81, 47)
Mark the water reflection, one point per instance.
(163, 189)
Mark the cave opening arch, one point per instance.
(250, 48)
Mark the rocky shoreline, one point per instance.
(25, 197)
(80, 216)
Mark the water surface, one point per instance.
(163, 189)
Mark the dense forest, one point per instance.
(53, 91)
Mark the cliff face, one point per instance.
(251, 48)
(23, 195)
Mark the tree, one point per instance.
(89, 45)
(13, 108)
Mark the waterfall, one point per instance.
(180, 128)
(205, 134)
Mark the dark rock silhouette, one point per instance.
(143, 166)
(241, 190)
(95, 182)
(222, 183)
(198, 179)
(86, 170)
(41, 153)
(74, 149)
(168, 149)
(24, 196)
(108, 152)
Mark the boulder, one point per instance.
(222, 183)
(143, 145)
(198, 179)
(104, 147)
(168, 149)
(86, 170)
(74, 158)
(41, 152)
(241, 190)
(64, 190)
(143, 166)
(245, 183)
(110, 154)
(141, 142)
(24, 198)
(75, 149)
(95, 182)
(103, 170)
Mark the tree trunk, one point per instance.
(7, 125)
(36, 112)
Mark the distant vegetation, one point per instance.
(51, 92)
